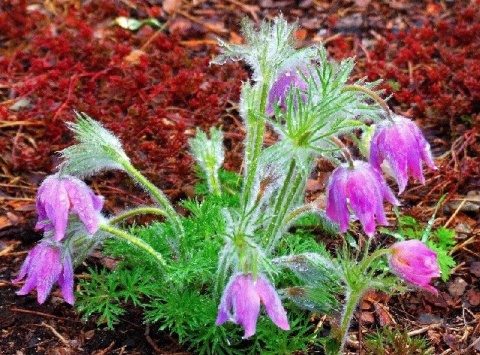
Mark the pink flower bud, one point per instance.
(414, 262)
(281, 88)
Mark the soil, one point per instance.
(450, 321)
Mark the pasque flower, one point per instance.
(413, 261)
(362, 189)
(286, 81)
(401, 144)
(46, 264)
(58, 196)
(244, 295)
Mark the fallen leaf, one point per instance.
(457, 287)
(367, 318)
(473, 297)
(475, 268)
(171, 6)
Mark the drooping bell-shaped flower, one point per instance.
(286, 81)
(360, 189)
(414, 262)
(403, 147)
(58, 196)
(244, 295)
(46, 264)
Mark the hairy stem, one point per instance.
(253, 146)
(373, 95)
(135, 212)
(121, 234)
(159, 196)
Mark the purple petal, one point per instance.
(65, 280)
(54, 199)
(246, 305)
(362, 190)
(404, 147)
(225, 304)
(337, 209)
(81, 198)
(26, 265)
(49, 268)
(395, 150)
(273, 305)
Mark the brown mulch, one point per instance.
(450, 321)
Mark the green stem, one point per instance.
(121, 234)
(253, 146)
(373, 95)
(283, 204)
(353, 297)
(351, 302)
(345, 151)
(366, 262)
(135, 212)
(280, 199)
(158, 195)
(214, 182)
(298, 211)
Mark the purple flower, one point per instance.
(414, 262)
(281, 88)
(59, 196)
(46, 264)
(362, 189)
(402, 145)
(244, 295)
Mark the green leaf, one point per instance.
(128, 23)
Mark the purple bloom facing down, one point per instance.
(281, 88)
(59, 196)
(402, 145)
(361, 189)
(244, 295)
(44, 266)
(414, 262)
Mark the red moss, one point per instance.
(151, 98)
(434, 69)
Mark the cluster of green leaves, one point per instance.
(184, 301)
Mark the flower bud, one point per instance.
(414, 262)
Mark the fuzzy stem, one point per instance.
(373, 95)
(344, 149)
(351, 302)
(253, 147)
(121, 234)
(158, 195)
(213, 182)
(283, 204)
(354, 296)
(298, 211)
(135, 212)
(371, 258)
